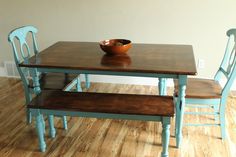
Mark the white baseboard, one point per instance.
(126, 80)
(3, 72)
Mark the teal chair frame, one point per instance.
(22, 53)
(227, 70)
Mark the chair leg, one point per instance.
(222, 125)
(64, 122)
(176, 116)
(87, 81)
(43, 124)
(52, 130)
(216, 109)
(165, 136)
(28, 116)
(40, 131)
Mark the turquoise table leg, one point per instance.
(40, 131)
(162, 86)
(78, 85)
(180, 108)
(165, 136)
(52, 130)
(87, 81)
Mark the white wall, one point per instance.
(201, 23)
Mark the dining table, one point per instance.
(161, 61)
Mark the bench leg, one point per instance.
(52, 130)
(165, 136)
(40, 131)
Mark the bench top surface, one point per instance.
(151, 105)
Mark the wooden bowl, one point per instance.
(115, 46)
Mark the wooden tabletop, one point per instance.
(144, 58)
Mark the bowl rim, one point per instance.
(102, 42)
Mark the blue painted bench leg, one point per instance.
(52, 130)
(87, 81)
(165, 136)
(40, 131)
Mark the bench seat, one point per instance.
(105, 103)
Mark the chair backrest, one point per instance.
(227, 67)
(24, 45)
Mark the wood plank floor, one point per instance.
(90, 137)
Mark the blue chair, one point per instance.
(21, 39)
(208, 93)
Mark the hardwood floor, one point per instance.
(90, 137)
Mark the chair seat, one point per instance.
(56, 81)
(201, 88)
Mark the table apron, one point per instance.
(118, 73)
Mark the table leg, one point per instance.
(165, 136)
(180, 109)
(87, 81)
(162, 86)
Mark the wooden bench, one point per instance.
(103, 105)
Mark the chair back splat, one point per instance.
(227, 68)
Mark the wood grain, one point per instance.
(90, 137)
(201, 88)
(131, 104)
(158, 58)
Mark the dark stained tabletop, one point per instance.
(144, 58)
